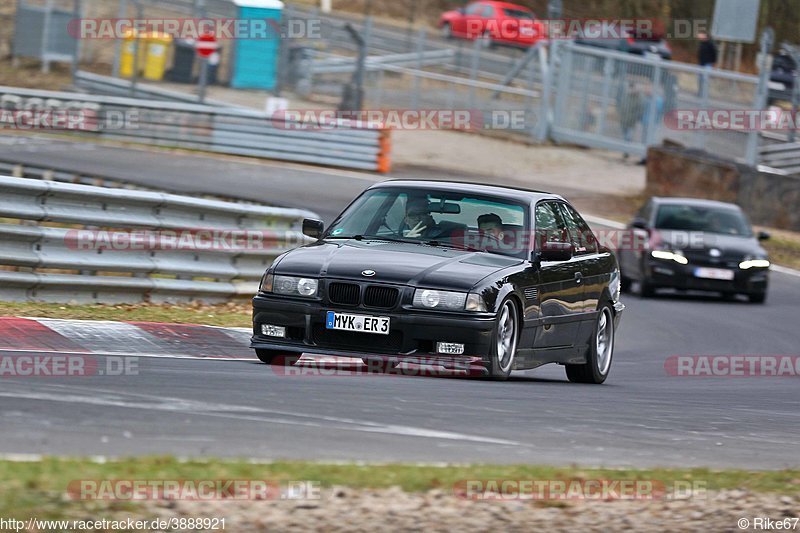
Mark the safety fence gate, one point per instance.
(623, 102)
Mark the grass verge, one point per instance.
(39, 487)
(234, 314)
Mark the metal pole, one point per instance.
(473, 69)
(762, 92)
(423, 35)
(135, 73)
(48, 13)
(77, 9)
(203, 82)
(122, 12)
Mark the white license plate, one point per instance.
(360, 323)
(714, 273)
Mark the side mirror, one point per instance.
(763, 235)
(557, 251)
(639, 223)
(313, 228)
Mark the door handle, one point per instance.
(579, 276)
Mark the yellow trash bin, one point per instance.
(156, 46)
(128, 53)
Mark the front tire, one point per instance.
(276, 357)
(504, 346)
(598, 362)
(447, 31)
(757, 297)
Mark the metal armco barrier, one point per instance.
(59, 263)
(226, 130)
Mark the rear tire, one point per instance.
(601, 353)
(277, 357)
(504, 341)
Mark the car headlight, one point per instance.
(292, 286)
(669, 255)
(433, 299)
(614, 285)
(754, 261)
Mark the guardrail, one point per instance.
(777, 153)
(109, 86)
(226, 130)
(116, 245)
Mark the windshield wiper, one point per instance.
(375, 238)
(454, 246)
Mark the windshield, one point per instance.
(706, 219)
(443, 218)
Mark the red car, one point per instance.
(496, 22)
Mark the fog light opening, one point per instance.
(449, 348)
(273, 331)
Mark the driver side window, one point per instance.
(549, 225)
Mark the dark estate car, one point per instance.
(694, 244)
(447, 274)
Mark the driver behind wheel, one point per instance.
(418, 222)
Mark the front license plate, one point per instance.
(360, 323)
(714, 273)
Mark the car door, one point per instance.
(560, 291)
(590, 272)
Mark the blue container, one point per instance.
(255, 61)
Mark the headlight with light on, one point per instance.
(433, 299)
(753, 261)
(290, 286)
(668, 255)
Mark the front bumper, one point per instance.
(412, 338)
(669, 274)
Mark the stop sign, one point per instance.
(206, 45)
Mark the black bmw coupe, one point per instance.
(465, 276)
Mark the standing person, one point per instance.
(631, 108)
(706, 57)
(707, 52)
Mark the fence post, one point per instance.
(608, 69)
(473, 69)
(652, 109)
(423, 35)
(762, 93)
(548, 73)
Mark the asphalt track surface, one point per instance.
(642, 416)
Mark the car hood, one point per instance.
(397, 263)
(731, 247)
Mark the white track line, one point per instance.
(128, 354)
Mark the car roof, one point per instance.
(696, 202)
(509, 193)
